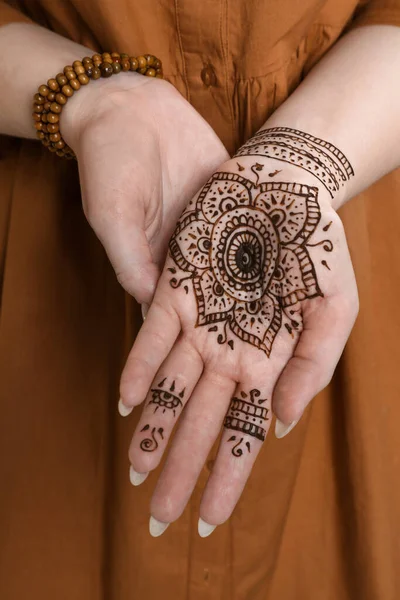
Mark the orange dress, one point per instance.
(320, 516)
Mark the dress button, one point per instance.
(208, 76)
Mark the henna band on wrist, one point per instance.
(51, 97)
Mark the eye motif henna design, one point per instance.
(244, 245)
(165, 398)
(247, 417)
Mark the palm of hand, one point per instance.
(257, 298)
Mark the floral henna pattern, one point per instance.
(244, 247)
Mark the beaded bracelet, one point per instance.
(50, 99)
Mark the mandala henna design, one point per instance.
(303, 150)
(244, 247)
(166, 398)
(246, 417)
(149, 444)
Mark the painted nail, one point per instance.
(281, 429)
(205, 529)
(145, 310)
(135, 477)
(123, 410)
(157, 528)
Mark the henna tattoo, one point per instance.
(166, 398)
(303, 150)
(246, 417)
(149, 444)
(244, 248)
(243, 245)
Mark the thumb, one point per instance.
(130, 255)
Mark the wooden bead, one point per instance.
(83, 79)
(53, 128)
(76, 63)
(96, 57)
(36, 116)
(67, 90)
(70, 75)
(89, 69)
(124, 56)
(96, 73)
(151, 72)
(106, 69)
(51, 148)
(142, 71)
(116, 67)
(46, 106)
(55, 137)
(61, 99)
(74, 83)
(55, 108)
(43, 90)
(39, 99)
(60, 144)
(157, 64)
(61, 79)
(40, 135)
(107, 59)
(38, 108)
(67, 69)
(44, 118)
(125, 65)
(53, 85)
(150, 59)
(46, 142)
(142, 62)
(86, 60)
(52, 118)
(159, 72)
(115, 55)
(79, 70)
(51, 97)
(39, 126)
(134, 63)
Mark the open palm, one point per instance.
(252, 311)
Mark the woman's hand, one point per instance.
(142, 151)
(251, 314)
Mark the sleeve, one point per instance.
(9, 14)
(376, 12)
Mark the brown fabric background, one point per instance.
(320, 517)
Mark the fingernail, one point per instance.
(157, 527)
(135, 477)
(205, 529)
(123, 410)
(281, 429)
(145, 310)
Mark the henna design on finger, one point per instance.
(166, 399)
(248, 417)
(149, 444)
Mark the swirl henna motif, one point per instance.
(149, 444)
(247, 417)
(244, 245)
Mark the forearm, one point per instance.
(30, 56)
(351, 99)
